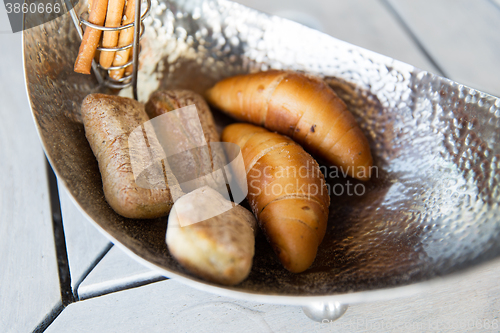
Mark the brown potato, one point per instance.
(109, 121)
(193, 165)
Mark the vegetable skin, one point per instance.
(302, 107)
(291, 214)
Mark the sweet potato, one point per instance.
(302, 107)
(286, 191)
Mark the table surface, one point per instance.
(59, 274)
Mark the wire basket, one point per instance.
(100, 72)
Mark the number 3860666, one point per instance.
(33, 8)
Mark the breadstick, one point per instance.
(110, 38)
(302, 107)
(128, 70)
(126, 37)
(91, 37)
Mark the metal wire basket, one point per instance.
(100, 72)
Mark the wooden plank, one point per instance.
(462, 36)
(84, 243)
(366, 23)
(29, 281)
(116, 271)
(467, 303)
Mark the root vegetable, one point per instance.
(196, 153)
(286, 191)
(219, 249)
(302, 107)
(109, 121)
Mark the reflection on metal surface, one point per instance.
(433, 209)
(325, 312)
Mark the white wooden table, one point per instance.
(66, 277)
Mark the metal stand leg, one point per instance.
(325, 312)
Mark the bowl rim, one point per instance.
(261, 297)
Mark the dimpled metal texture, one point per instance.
(431, 208)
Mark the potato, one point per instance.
(197, 154)
(109, 121)
(212, 237)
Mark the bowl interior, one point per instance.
(430, 209)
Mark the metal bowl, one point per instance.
(431, 210)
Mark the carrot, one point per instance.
(91, 37)
(304, 108)
(110, 38)
(287, 193)
(126, 37)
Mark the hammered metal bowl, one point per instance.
(431, 210)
